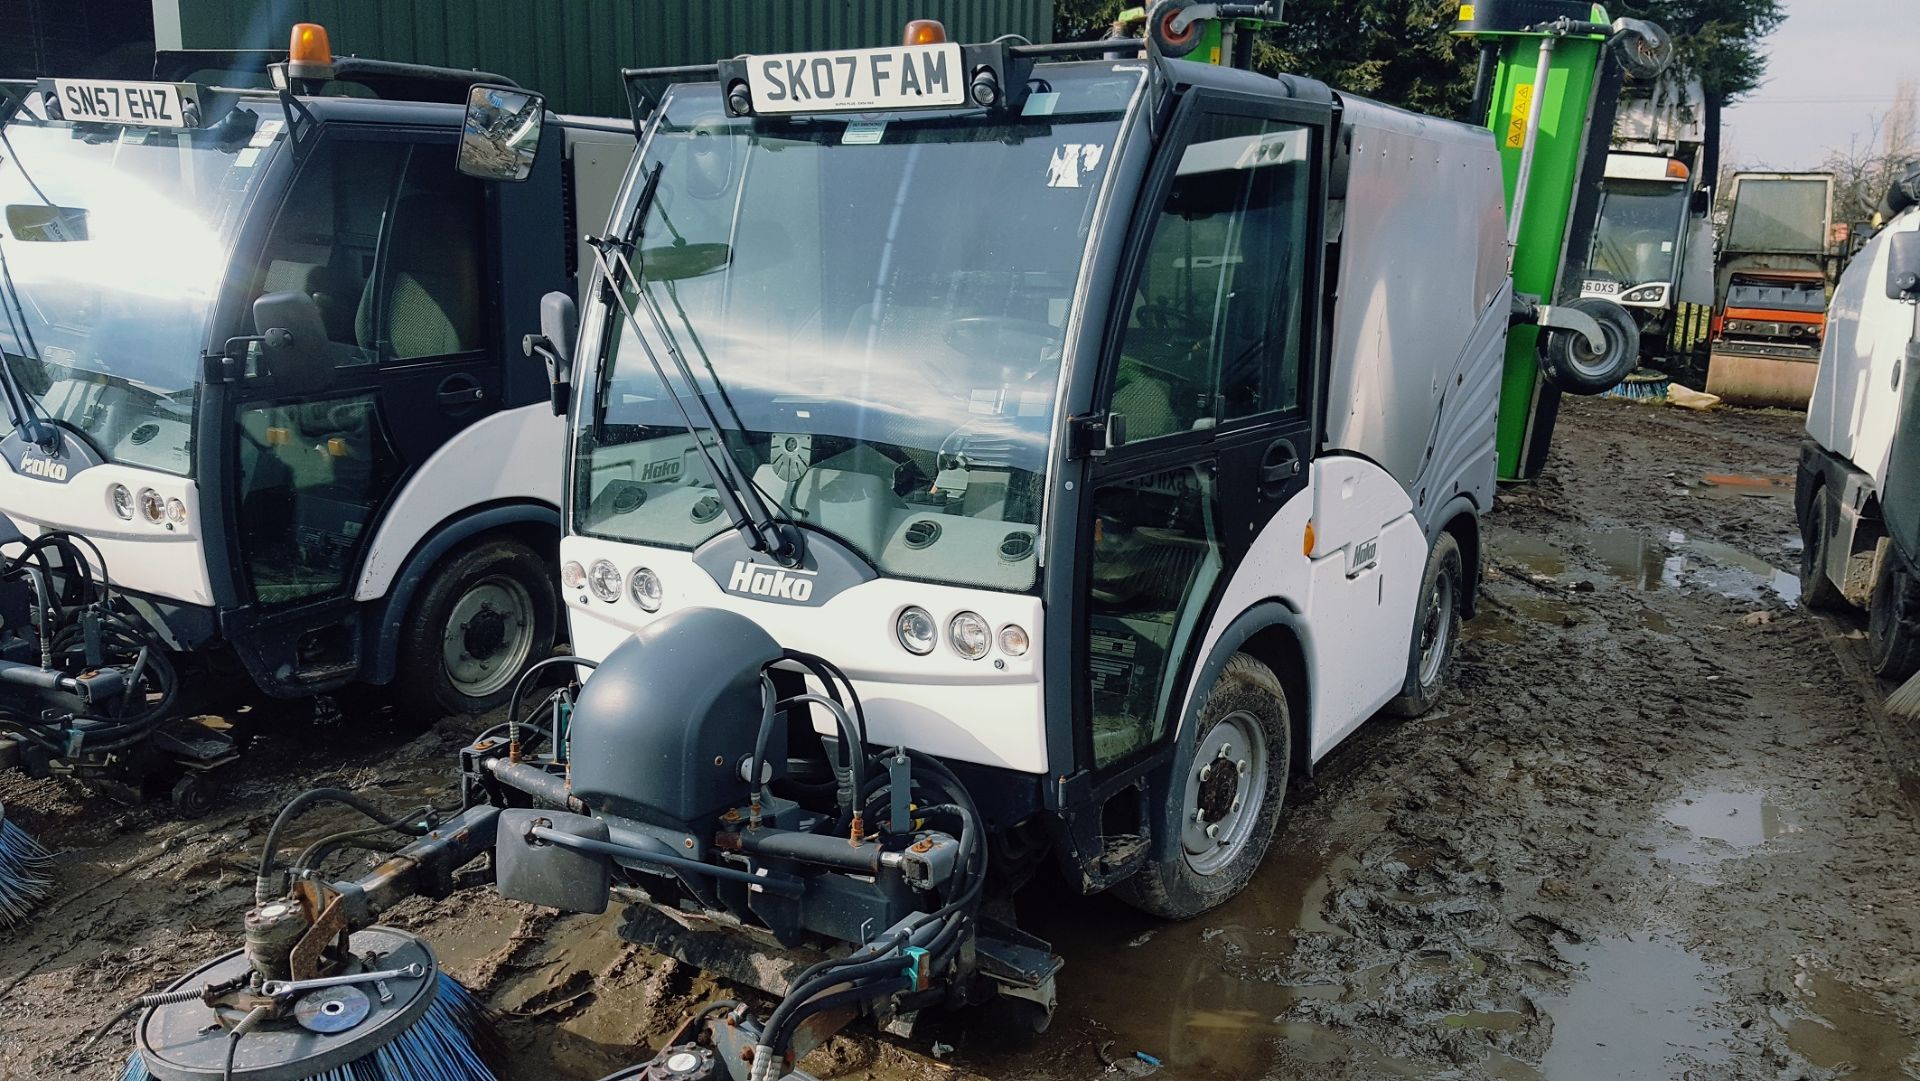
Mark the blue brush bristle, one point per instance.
(25, 878)
(442, 1046)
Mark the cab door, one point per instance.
(390, 243)
(1208, 372)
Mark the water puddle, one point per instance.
(1647, 565)
(1535, 554)
(1207, 998)
(1713, 826)
(1640, 1004)
(1836, 1026)
(1746, 486)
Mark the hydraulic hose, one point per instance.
(777, 1039)
(520, 689)
(855, 751)
(263, 883)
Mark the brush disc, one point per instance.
(24, 867)
(182, 1042)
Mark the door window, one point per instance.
(1155, 559)
(387, 239)
(312, 476)
(326, 241)
(1214, 330)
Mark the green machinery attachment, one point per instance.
(1549, 83)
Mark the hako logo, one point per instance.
(772, 583)
(44, 468)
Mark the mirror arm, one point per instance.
(228, 365)
(559, 370)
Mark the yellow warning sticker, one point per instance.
(1517, 123)
(1466, 13)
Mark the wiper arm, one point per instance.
(20, 410)
(745, 510)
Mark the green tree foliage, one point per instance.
(1401, 51)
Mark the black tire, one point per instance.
(1892, 650)
(1817, 591)
(1570, 364)
(1160, 29)
(1436, 631)
(193, 795)
(1247, 697)
(507, 605)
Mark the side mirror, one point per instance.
(502, 132)
(294, 350)
(1903, 266)
(559, 325)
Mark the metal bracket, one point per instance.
(1549, 317)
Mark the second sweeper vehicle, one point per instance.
(983, 457)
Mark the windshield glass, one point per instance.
(116, 239)
(1639, 223)
(874, 307)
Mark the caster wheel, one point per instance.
(193, 795)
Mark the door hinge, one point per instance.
(219, 368)
(1092, 435)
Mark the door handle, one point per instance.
(1281, 465)
(460, 390)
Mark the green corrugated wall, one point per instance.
(573, 50)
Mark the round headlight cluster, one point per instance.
(645, 589)
(573, 575)
(917, 631)
(152, 507)
(968, 633)
(604, 579)
(121, 497)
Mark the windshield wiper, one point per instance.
(20, 407)
(746, 510)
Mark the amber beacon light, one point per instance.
(309, 53)
(925, 32)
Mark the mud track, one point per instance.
(1660, 831)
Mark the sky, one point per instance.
(1832, 69)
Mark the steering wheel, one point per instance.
(1167, 317)
(1022, 341)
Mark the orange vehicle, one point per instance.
(1776, 263)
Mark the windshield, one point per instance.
(874, 307)
(1639, 225)
(116, 239)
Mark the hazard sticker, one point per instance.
(1517, 123)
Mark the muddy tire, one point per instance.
(1240, 752)
(1817, 591)
(1892, 649)
(1436, 631)
(485, 615)
(1571, 364)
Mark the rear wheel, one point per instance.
(1228, 796)
(1816, 589)
(1893, 649)
(1436, 631)
(483, 617)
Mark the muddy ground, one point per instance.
(1658, 832)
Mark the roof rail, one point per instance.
(391, 79)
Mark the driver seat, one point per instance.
(432, 286)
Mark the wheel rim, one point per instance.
(1436, 630)
(489, 636)
(1226, 786)
(1583, 359)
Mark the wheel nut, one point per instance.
(1200, 815)
(1241, 765)
(1206, 771)
(1236, 803)
(1213, 832)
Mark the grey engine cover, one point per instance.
(660, 726)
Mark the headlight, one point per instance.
(122, 497)
(176, 512)
(970, 635)
(604, 577)
(1013, 640)
(644, 586)
(152, 507)
(916, 631)
(573, 575)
